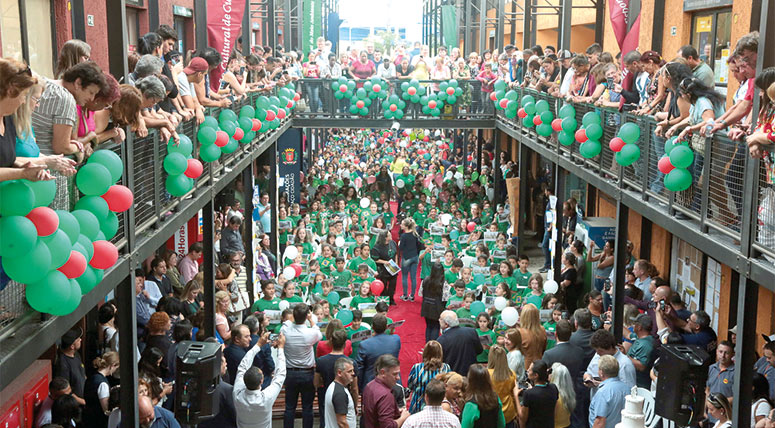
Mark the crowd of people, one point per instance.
(376, 203)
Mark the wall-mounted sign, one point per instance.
(182, 11)
(90, 20)
(690, 5)
(673, 30)
(703, 24)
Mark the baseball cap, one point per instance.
(70, 337)
(770, 338)
(508, 48)
(733, 330)
(564, 54)
(197, 65)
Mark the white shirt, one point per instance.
(330, 408)
(185, 88)
(300, 343)
(566, 81)
(386, 73)
(626, 369)
(254, 408)
(153, 292)
(760, 408)
(44, 413)
(432, 417)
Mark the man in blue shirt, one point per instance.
(605, 410)
(262, 212)
(154, 416)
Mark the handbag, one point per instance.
(697, 143)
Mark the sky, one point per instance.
(382, 13)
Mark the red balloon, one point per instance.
(412, 90)
(664, 165)
(493, 97)
(389, 134)
(270, 115)
(289, 105)
(581, 136)
(393, 107)
(342, 88)
(450, 90)
(537, 120)
(194, 169)
(471, 226)
(238, 134)
(521, 113)
(221, 138)
(432, 104)
(616, 144)
(503, 103)
(256, 125)
(105, 255)
(119, 198)
(360, 104)
(75, 266)
(426, 138)
(377, 286)
(557, 125)
(281, 113)
(376, 88)
(296, 96)
(45, 220)
(297, 268)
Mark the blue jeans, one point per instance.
(658, 182)
(314, 96)
(547, 251)
(299, 382)
(409, 268)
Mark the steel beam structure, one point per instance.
(200, 18)
(208, 292)
(620, 260)
(386, 124)
(126, 323)
(564, 24)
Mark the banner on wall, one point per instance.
(449, 25)
(224, 27)
(289, 164)
(312, 24)
(625, 20)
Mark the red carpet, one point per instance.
(412, 332)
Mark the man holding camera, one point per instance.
(658, 300)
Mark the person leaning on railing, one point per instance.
(153, 91)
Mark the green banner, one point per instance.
(449, 26)
(311, 25)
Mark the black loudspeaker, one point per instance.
(198, 371)
(683, 372)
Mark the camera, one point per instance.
(607, 286)
(660, 304)
(523, 382)
(604, 316)
(273, 337)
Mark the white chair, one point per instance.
(345, 303)
(651, 418)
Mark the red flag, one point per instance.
(224, 25)
(626, 33)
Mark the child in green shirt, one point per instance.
(363, 258)
(468, 279)
(483, 321)
(451, 276)
(355, 327)
(465, 311)
(289, 293)
(551, 325)
(364, 295)
(382, 308)
(505, 275)
(268, 302)
(362, 277)
(522, 275)
(456, 300)
(419, 217)
(536, 294)
(341, 276)
(327, 261)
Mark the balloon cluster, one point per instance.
(675, 163)
(625, 144)
(361, 99)
(432, 104)
(589, 135)
(412, 91)
(343, 88)
(499, 93)
(393, 107)
(61, 255)
(181, 167)
(449, 91)
(535, 113)
(566, 125)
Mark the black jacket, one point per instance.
(580, 338)
(461, 345)
(567, 354)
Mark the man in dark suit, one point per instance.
(461, 345)
(371, 348)
(580, 338)
(235, 352)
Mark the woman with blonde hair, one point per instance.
(73, 52)
(97, 391)
(431, 366)
(188, 297)
(222, 305)
(560, 377)
(410, 245)
(454, 394)
(513, 344)
(533, 334)
(503, 381)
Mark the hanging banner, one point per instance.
(625, 23)
(224, 26)
(449, 25)
(311, 24)
(289, 164)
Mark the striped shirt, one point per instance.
(432, 417)
(56, 107)
(418, 379)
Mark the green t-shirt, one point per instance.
(308, 248)
(327, 264)
(294, 299)
(485, 354)
(463, 313)
(509, 280)
(350, 331)
(643, 351)
(357, 281)
(426, 265)
(523, 279)
(454, 299)
(342, 279)
(536, 300)
(450, 277)
(419, 218)
(354, 263)
(271, 305)
(551, 338)
(357, 300)
(285, 232)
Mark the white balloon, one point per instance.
(291, 252)
(501, 303)
(490, 193)
(458, 175)
(339, 241)
(460, 183)
(363, 165)
(448, 175)
(510, 316)
(289, 273)
(551, 286)
(365, 202)
(284, 305)
(400, 184)
(445, 219)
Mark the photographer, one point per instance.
(658, 299)
(694, 331)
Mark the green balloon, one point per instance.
(31, 268)
(345, 316)
(109, 160)
(99, 273)
(566, 138)
(109, 225)
(185, 147)
(94, 204)
(527, 99)
(89, 223)
(18, 236)
(544, 129)
(569, 124)
(500, 85)
(247, 111)
(547, 117)
(628, 155)
(512, 95)
(670, 143)
(248, 138)
(629, 132)
(263, 102)
(226, 116)
(16, 198)
(681, 156)
(45, 295)
(468, 183)
(86, 250)
(210, 122)
(477, 308)
(100, 236)
(567, 111)
(590, 118)
(454, 234)
(475, 175)
(44, 191)
(245, 123)
(178, 185)
(542, 106)
(210, 153)
(60, 246)
(590, 149)
(206, 136)
(483, 179)
(530, 109)
(451, 99)
(68, 306)
(436, 112)
(527, 121)
(175, 163)
(87, 281)
(93, 179)
(678, 180)
(230, 147)
(229, 127)
(594, 131)
(69, 224)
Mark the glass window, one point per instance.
(711, 33)
(132, 29)
(40, 40)
(180, 29)
(10, 30)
